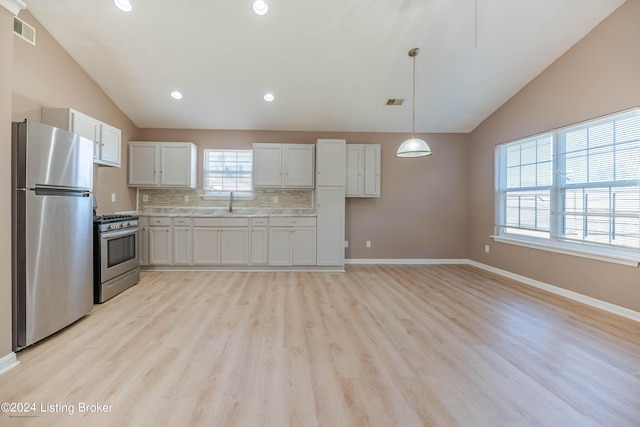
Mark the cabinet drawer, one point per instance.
(220, 222)
(182, 221)
(292, 221)
(259, 222)
(159, 221)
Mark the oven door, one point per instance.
(118, 253)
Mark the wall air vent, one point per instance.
(394, 101)
(24, 30)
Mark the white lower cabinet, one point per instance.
(160, 241)
(259, 241)
(292, 241)
(330, 206)
(182, 241)
(220, 241)
(206, 245)
(143, 241)
(211, 241)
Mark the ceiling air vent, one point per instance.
(394, 101)
(24, 30)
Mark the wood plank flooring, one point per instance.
(383, 345)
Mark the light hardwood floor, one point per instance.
(375, 346)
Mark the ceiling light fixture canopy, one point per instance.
(414, 146)
(123, 5)
(260, 7)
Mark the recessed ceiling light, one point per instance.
(260, 7)
(124, 5)
(176, 94)
(269, 97)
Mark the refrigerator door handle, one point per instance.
(65, 192)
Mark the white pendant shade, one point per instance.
(413, 147)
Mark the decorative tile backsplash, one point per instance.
(286, 199)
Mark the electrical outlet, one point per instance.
(145, 197)
(486, 248)
(368, 243)
(346, 243)
(275, 199)
(186, 198)
(113, 197)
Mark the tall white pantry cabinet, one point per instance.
(330, 201)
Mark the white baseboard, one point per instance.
(406, 261)
(593, 302)
(8, 362)
(603, 305)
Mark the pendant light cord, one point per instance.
(413, 100)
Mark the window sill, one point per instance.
(614, 255)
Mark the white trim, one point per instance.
(406, 261)
(13, 6)
(593, 302)
(8, 362)
(608, 255)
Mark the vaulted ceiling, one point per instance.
(330, 64)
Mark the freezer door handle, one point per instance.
(45, 191)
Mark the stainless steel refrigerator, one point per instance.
(52, 233)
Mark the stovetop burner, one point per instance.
(105, 219)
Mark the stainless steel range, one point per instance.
(115, 247)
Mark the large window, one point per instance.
(576, 188)
(227, 171)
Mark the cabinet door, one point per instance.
(304, 246)
(175, 170)
(89, 128)
(110, 139)
(280, 246)
(371, 170)
(330, 225)
(259, 248)
(182, 245)
(298, 165)
(160, 245)
(234, 245)
(206, 245)
(354, 182)
(330, 163)
(143, 241)
(143, 164)
(267, 165)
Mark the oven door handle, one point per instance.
(110, 235)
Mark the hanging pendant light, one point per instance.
(414, 146)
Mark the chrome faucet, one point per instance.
(231, 199)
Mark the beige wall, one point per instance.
(423, 209)
(6, 46)
(599, 75)
(45, 75)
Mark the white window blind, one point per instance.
(228, 170)
(575, 185)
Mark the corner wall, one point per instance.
(6, 71)
(598, 76)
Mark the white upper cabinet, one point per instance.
(363, 170)
(283, 165)
(330, 163)
(107, 139)
(162, 164)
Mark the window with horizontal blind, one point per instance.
(575, 188)
(227, 171)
